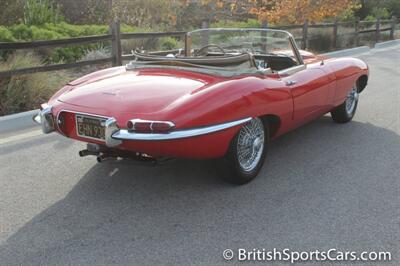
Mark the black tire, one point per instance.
(231, 169)
(344, 113)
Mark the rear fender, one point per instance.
(347, 71)
(232, 100)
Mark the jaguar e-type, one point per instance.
(225, 94)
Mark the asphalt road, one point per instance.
(323, 186)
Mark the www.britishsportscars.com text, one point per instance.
(293, 256)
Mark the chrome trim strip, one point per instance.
(124, 134)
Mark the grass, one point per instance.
(27, 92)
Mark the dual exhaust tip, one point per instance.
(96, 150)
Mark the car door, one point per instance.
(312, 90)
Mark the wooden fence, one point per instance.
(334, 27)
(115, 36)
(116, 58)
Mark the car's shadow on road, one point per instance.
(309, 194)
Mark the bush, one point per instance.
(39, 12)
(6, 35)
(51, 31)
(168, 43)
(99, 53)
(250, 23)
(27, 92)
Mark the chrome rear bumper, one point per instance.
(124, 134)
(114, 135)
(45, 119)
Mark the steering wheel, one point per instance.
(202, 49)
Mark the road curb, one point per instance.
(362, 49)
(347, 52)
(386, 44)
(17, 122)
(26, 114)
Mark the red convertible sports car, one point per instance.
(225, 95)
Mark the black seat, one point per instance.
(214, 61)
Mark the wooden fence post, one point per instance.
(392, 27)
(204, 35)
(305, 35)
(116, 50)
(335, 30)
(188, 44)
(378, 30)
(356, 32)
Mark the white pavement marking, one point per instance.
(21, 136)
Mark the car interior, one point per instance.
(273, 62)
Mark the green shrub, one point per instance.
(380, 12)
(6, 35)
(370, 18)
(250, 23)
(21, 32)
(71, 53)
(27, 92)
(168, 43)
(39, 12)
(39, 33)
(127, 28)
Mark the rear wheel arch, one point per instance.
(272, 122)
(362, 82)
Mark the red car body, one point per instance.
(192, 100)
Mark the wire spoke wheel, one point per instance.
(351, 100)
(250, 144)
(345, 112)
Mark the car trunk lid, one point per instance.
(135, 91)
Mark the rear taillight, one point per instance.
(61, 123)
(161, 127)
(144, 127)
(148, 126)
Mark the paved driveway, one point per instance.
(323, 186)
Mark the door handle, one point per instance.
(290, 82)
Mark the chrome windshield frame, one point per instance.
(292, 41)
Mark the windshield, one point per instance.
(235, 51)
(255, 41)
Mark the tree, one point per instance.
(378, 8)
(277, 11)
(297, 11)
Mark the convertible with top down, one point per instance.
(224, 95)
